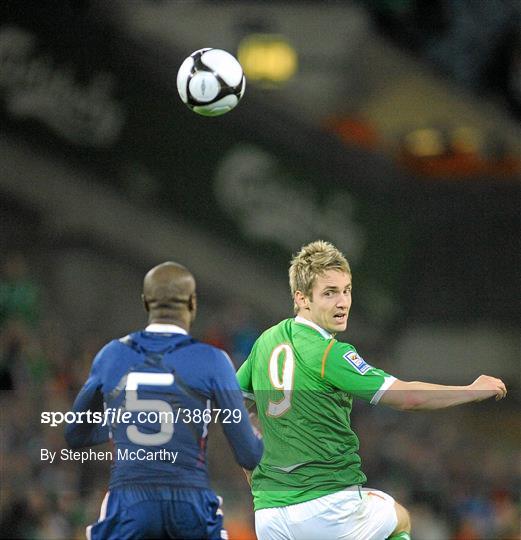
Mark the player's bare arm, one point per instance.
(415, 395)
(252, 413)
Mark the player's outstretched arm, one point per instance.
(255, 424)
(415, 395)
(245, 441)
(85, 433)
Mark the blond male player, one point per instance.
(308, 483)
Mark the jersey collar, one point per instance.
(165, 329)
(311, 324)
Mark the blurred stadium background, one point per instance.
(390, 127)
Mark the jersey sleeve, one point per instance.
(90, 397)
(346, 370)
(246, 444)
(244, 378)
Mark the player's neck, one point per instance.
(300, 317)
(168, 320)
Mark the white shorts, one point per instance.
(365, 514)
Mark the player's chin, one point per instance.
(339, 323)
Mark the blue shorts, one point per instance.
(158, 512)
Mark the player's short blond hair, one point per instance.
(313, 260)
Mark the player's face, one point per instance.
(330, 302)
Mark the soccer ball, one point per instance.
(211, 82)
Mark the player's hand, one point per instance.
(255, 425)
(485, 387)
(247, 473)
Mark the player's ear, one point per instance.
(145, 303)
(192, 305)
(301, 300)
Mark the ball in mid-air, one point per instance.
(211, 82)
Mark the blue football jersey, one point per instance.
(159, 391)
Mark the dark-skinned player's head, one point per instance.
(169, 295)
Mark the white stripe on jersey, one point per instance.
(388, 381)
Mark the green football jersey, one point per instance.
(303, 382)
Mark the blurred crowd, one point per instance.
(458, 471)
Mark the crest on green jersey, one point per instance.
(357, 362)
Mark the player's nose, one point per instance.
(343, 301)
